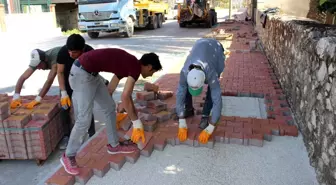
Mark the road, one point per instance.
(225, 164)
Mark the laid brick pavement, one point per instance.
(247, 73)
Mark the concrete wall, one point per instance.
(303, 57)
(300, 8)
(26, 23)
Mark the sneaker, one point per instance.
(64, 143)
(122, 148)
(204, 122)
(69, 164)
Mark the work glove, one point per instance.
(65, 100)
(138, 131)
(33, 103)
(183, 130)
(16, 102)
(205, 134)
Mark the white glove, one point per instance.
(183, 123)
(38, 99)
(16, 96)
(64, 94)
(137, 124)
(210, 128)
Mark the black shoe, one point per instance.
(204, 122)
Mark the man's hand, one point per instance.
(138, 132)
(183, 130)
(65, 100)
(33, 103)
(206, 133)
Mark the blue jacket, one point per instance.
(209, 54)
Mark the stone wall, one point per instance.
(303, 56)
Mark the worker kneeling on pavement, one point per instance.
(45, 60)
(88, 87)
(204, 65)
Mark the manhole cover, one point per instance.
(244, 107)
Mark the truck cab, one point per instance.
(96, 16)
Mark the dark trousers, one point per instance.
(207, 104)
(66, 118)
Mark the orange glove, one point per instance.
(205, 134)
(16, 102)
(138, 132)
(33, 103)
(183, 130)
(65, 100)
(120, 117)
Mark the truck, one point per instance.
(120, 16)
(196, 11)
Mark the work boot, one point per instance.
(204, 122)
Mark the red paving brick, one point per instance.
(246, 74)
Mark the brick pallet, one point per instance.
(29, 134)
(247, 74)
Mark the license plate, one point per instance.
(114, 25)
(97, 23)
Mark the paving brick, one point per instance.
(274, 126)
(99, 167)
(163, 116)
(158, 105)
(144, 95)
(160, 143)
(151, 87)
(46, 111)
(147, 116)
(57, 179)
(150, 126)
(256, 140)
(126, 123)
(84, 175)
(17, 120)
(209, 144)
(288, 130)
(116, 161)
(236, 138)
(164, 95)
(148, 149)
(132, 157)
(219, 134)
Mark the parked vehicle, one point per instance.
(119, 16)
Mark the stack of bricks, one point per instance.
(29, 133)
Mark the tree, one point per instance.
(327, 6)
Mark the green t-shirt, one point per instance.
(51, 56)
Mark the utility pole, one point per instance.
(230, 8)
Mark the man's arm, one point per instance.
(181, 95)
(60, 76)
(216, 97)
(22, 79)
(49, 81)
(113, 84)
(126, 98)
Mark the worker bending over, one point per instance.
(45, 60)
(75, 47)
(204, 65)
(89, 88)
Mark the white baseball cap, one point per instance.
(34, 58)
(195, 80)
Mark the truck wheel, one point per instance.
(129, 28)
(153, 24)
(93, 35)
(208, 23)
(159, 21)
(182, 25)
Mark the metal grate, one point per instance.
(101, 15)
